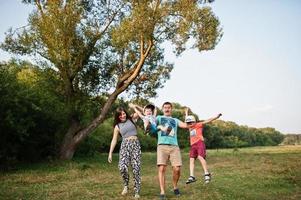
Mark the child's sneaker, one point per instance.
(207, 177)
(191, 179)
(125, 190)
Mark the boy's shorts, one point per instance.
(198, 149)
(169, 152)
(153, 129)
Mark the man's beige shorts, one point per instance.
(169, 152)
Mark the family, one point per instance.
(165, 126)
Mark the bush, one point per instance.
(30, 114)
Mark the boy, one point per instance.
(198, 148)
(148, 117)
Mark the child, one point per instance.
(148, 117)
(198, 148)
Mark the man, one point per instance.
(168, 148)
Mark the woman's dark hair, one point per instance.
(118, 113)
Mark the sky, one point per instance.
(252, 77)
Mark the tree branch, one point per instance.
(39, 6)
(141, 45)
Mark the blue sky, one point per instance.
(253, 76)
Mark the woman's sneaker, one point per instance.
(137, 196)
(207, 177)
(125, 190)
(191, 179)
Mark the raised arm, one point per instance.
(113, 143)
(212, 119)
(136, 109)
(186, 111)
(155, 111)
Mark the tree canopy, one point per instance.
(105, 47)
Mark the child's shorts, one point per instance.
(198, 149)
(153, 129)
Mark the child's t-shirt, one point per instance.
(150, 118)
(196, 133)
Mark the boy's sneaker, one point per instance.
(207, 177)
(191, 179)
(137, 196)
(162, 197)
(125, 190)
(177, 192)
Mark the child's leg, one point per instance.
(204, 164)
(191, 167)
(202, 155)
(147, 125)
(162, 128)
(167, 129)
(192, 157)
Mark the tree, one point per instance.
(102, 48)
(31, 113)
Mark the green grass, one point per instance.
(249, 173)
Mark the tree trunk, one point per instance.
(76, 134)
(68, 145)
(67, 150)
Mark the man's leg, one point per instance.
(176, 162)
(176, 176)
(161, 176)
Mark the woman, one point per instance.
(130, 150)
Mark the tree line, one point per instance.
(34, 120)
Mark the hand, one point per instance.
(186, 110)
(131, 105)
(110, 158)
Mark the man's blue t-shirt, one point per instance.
(170, 136)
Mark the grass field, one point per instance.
(249, 173)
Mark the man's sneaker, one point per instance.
(177, 192)
(207, 177)
(125, 190)
(162, 197)
(191, 179)
(137, 196)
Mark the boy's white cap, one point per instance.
(189, 118)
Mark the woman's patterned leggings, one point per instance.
(130, 153)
